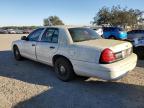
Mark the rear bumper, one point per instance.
(111, 71)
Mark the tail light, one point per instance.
(107, 56)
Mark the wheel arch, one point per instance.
(112, 36)
(55, 57)
(14, 46)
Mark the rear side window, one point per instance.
(83, 34)
(50, 35)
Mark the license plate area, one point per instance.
(126, 52)
(123, 54)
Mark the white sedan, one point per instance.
(76, 51)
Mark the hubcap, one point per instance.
(16, 52)
(62, 69)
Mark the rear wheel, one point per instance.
(139, 51)
(17, 53)
(63, 69)
(112, 37)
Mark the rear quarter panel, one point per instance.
(83, 53)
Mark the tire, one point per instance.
(16, 53)
(112, 37)
(64, 70)
(139, 51)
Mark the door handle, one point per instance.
(52, 47)
(33, 45)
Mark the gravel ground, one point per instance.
(28, 84)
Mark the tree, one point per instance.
(117, 16)
(102, 17)
(53, 20)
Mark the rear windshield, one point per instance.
(83, 34)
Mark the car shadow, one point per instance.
(78, 93)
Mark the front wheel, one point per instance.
(63, 69)
(17, 53)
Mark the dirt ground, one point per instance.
(28, 84)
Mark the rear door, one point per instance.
(48, 45)
(29, 45)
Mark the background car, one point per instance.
(98, 30)
(27, 31)
(11, 31)
(136, 37)
(114, 33)
(3, 31)
(135, 34)
(19, 31)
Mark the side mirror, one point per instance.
(23, 38)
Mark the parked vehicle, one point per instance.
(136, 37)
(19, 31)
(11, 31)
(76, 51)
(114, 33)
(98, 30)
(27, 31)
(3, 31)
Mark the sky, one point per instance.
(72, 12)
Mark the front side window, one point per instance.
(35, 35)
(83, 34)
(50, 35)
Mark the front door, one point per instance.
(29, 45)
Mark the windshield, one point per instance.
(83, 34)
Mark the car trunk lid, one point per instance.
(121, 49)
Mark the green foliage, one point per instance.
(117, 16)
(52, 20)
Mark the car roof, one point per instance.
(63, 26)
(112, 27)
(135, 31)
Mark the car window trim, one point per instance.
(35, 31)
(52, 35)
